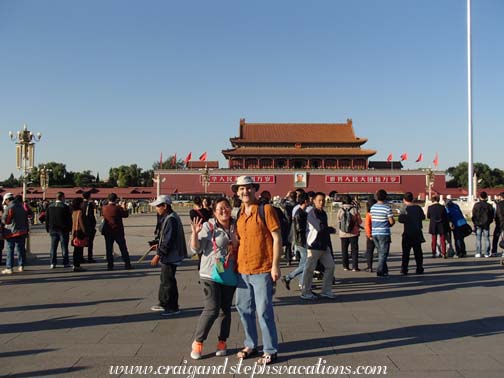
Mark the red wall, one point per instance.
(192, 181)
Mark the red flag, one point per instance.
(404, 156)
(203, 156)
(161, 161)
(188, 157)
(436, 160)
(420, 158)
(389, 158)
(174, 160)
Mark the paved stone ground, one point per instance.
(447, 323)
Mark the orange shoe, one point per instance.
(197, 349)
(221, 349)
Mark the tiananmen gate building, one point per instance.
(283, 156)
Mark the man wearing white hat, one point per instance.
(171, 250)
(259, 267)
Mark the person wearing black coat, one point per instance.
(437, 225)
(412, 216)
(482, 217)
(499, 222)
(58, 225)
(299, 228)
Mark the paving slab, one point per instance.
(445, 323)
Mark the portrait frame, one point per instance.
(300, 179)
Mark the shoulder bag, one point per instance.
(224, 268)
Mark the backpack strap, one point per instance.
(200, 213)
(214, 243)
(260, 210)
(261, 213)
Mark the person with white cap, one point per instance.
(171, 249)
(15, 220)
(259, 267)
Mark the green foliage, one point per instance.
(58, 175)
(131, 175)
(487, 177)
(168, 164)
(11, 182)
(84, 178)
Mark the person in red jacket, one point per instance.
(113, 231)
(370, 246)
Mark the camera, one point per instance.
(153, 242)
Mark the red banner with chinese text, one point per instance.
(231, 179)
(336, 179)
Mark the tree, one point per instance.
(458, 176)
(125, 176)
(84, 178)
(11, 182)
(146, 178)
(487, 177)
(169, 163)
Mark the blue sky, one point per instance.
(117, 82)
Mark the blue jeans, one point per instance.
(382, 244)
(18, 244)
(57, 237)
(254, 294)
(299, 270)
(484, 234)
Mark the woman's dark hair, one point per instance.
(208, 201)
(346, 199)
(197, 201)
(219, 200)
(370, 203)
(76, 203)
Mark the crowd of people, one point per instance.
(240, 242)
(73, 224)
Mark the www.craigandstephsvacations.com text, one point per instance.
(186, 370)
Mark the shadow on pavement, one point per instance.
(46, 306)
(25, 352)
(71, 321)
(395, 337)
(47, 372)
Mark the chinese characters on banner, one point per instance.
(335, 179)
(231, 179)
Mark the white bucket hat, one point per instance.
(244, 181)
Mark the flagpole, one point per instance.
(470, 173)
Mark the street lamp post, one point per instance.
(158, 180)
(44, 180)
(25, 158)
(429, 181)
(205, 177)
